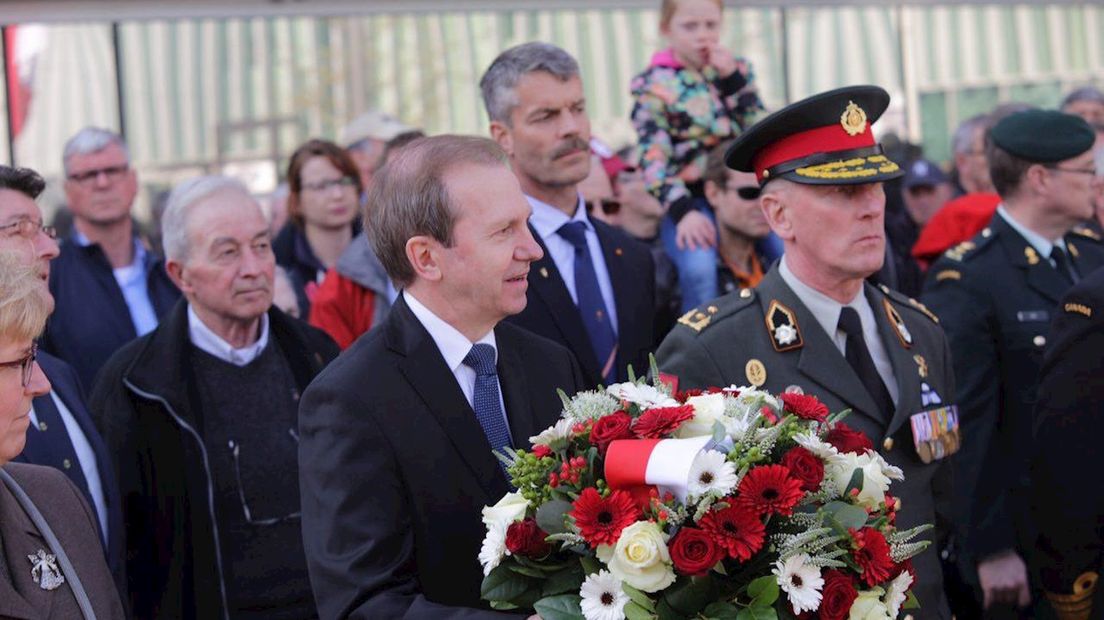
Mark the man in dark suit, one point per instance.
(995, 296)
(62, 434)
(813, 323)
(594, 289)
(397, 434)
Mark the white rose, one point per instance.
(708, 410)
(875, 483)
(510, 508)
(641, 559)
(869, 606)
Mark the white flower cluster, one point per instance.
(590, 405)
(641, 394)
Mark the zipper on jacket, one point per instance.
(210, 485)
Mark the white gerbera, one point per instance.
(641, 394)
(494, 546)
(897, 592)
(816, 445)
(801, 581)
(556, 433)
(603, 598)
(711, 472)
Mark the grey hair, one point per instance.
(92, 140)
(963, 141)
(499, 83)
(1085, 93)
(178, 208)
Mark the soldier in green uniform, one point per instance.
(814, 324)
(995, 296)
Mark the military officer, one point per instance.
(1066, 497)
(995, 296)
(814, 324)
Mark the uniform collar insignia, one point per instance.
(898, 324)
(782, 327)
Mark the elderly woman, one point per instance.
(323, 201)
(51, 561)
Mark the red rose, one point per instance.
(609, 428)
(837, 596)
(525, 538)
(694, 552)
(804, 406)
(692, 392)
(871, 553)
(806, 467)
(540, 451)
(847, 439)
(655, 423)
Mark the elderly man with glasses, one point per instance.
(200, 417)
(109, 287)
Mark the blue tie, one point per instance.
(592, 308)
(485, 399)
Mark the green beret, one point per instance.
(1043, 136)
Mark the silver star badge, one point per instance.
(44, 570)
(785, 334)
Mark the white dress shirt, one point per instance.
(132, 282)
(207, 340)
(1041, 244)
(547, 219)
(826, 311)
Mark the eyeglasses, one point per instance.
(1090, 171)
(28, 229)
(26, 364)
(235, 451)
(609, 206)
(88, 177)
(323, 186)
(747, 192)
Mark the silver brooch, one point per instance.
(44, 570)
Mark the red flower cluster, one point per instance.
(540, 451)
(601, 519)
(736, 530)
(847, 439)
(840, 591)
(526, 538)
(871, 553)
(661, 421)
(694, 552)
(805, 466)
(570, 472)
(769, 489)
(610, 428)
(804, 406)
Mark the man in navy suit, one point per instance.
(594, 289)
(62, 433)
(397, 434)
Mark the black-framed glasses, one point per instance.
(25, 364)
(1089, 171)
(28, 229)
(747, 192)
(325, 186)
(235, 452)
(609, 206)
(87, 177)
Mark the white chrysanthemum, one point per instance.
(754, 397)
(559, 432)
(494, 546)
(801, 581)
(711, 472)
(641, 394)
(603, 598)
(591, 405)
(889, 471)
(816, 445)
(897, 592)
(841, 467)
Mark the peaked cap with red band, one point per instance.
(825, 139)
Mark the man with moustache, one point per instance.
(594, 289)
(200, 416)
(814, 324)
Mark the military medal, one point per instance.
(44, 570)
(935, 432)
(921, 366)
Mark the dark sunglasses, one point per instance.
(609, 206)
(747, 192)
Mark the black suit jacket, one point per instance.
(552, 313)
(394, 469)
(64, 382)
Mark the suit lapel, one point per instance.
(21, 598)
(904, 366)
(1041, 276)
(431, 379)
(515, 391)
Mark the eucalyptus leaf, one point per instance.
(847, 516)
(503, 584)
(551, 516)
(636, 612)
(560, 607)
(856, 481)
(638, 597)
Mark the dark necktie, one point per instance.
(1063, 264)
(858, 356)
(592, 308)
(49, 444)
(485, 397)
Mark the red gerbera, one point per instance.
(770, 488)
(871, 553)
(655, 423)
(804, 406)
(736, 530)
(601, 519)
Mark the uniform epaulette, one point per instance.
(699, 318)
(908, 302)
(1085, 231)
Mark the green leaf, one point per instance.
(856, 481)
(721, 611)
(528, 571)
(563, 581)
(502, 605)
(757, 613)
(503, 584)
(692, 595)
(911, 602)
(590, 564)
(551, 516)
(719, 432)
(638, 597)
(560, 607)
(763, 591)
(636, 612)
(846, 515)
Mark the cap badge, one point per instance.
(853, 119)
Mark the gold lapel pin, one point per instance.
(544, 272)
(756, 372)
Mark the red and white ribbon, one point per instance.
(662, 463)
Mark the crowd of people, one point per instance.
(291, 411)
